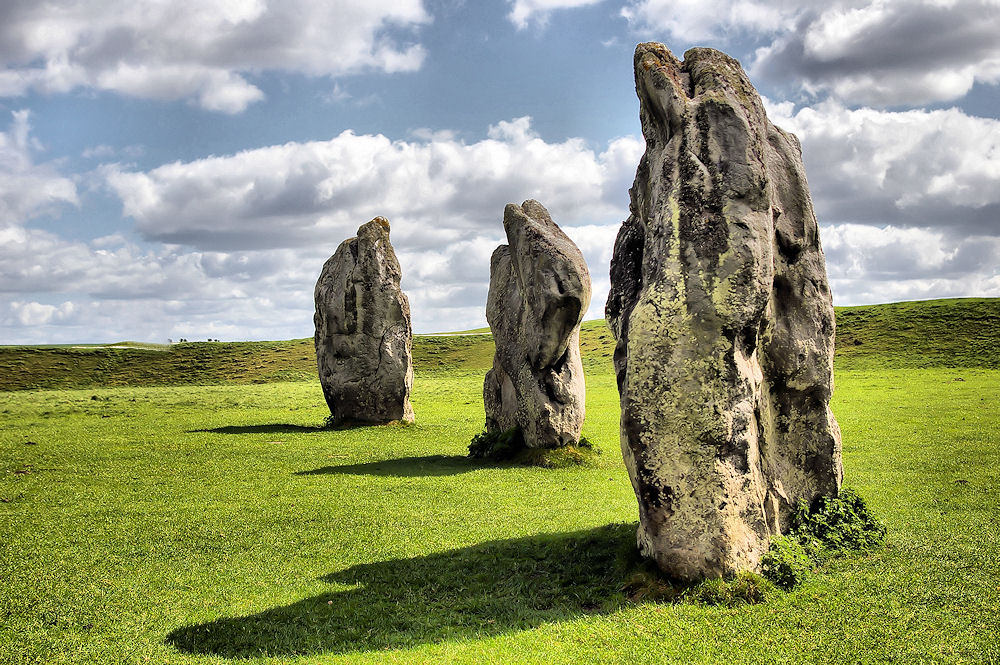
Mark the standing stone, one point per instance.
(363, 335)
(539, 292)
(724, 322)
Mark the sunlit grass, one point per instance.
(202, 524)
(193, 524)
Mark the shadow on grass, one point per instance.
(277, 428)
(429, 465)
(280, 428)
(483, 590)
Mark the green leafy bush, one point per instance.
(831, 525)
(786, 563)
(508, 446)
(838, 523)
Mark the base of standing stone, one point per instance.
(335, 424)
(509, 446)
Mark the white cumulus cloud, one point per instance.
(523, 12)
(911, 168)
(869, 264)
(875, 52)
(436, 190)
(889, 52)
(690, 21)
(200, 50)
(28, 189)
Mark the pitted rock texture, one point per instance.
(724, 322)
(539, 292)
(363, 337)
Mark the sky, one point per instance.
(182, 169)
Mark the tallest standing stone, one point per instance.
(724, 320)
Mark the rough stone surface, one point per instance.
(724, 322)
(539, 292)
(363, 336)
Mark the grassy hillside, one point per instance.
(934, 333)
(961, 332)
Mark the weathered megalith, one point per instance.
(724, 322)
(539, 292)
(363, 335)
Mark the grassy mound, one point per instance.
(924, 334)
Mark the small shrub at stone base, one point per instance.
(497, 445)
(508, 446)
(786, 563)
(838, 523)
(827, 528)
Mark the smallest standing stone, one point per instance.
(363, 336)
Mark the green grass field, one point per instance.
(219, 524)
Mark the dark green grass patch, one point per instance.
(487, 589)
(645, 583)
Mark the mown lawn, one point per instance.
(208, 524)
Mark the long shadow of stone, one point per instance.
(429, 465)
(281, 428)
(275, 428)
(487, 589)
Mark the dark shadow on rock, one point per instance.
(429, 465)
(487, 589)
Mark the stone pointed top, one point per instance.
(532, 221)
(549, 268)
(666, 83)
(531, 213)
(380, 220)
(379, 226)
